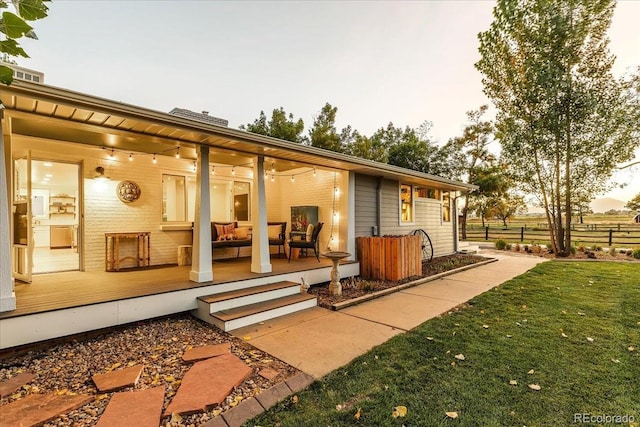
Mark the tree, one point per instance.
(366, 148)
(563, 121)
(323, 133)
(634, 204)
(473, 159)
(280, 126)
(14, 26)
(508, 205)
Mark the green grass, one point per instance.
(526, 318)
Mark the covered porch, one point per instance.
(60, 304)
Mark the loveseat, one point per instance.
(229, 235)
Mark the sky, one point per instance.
(378, 61)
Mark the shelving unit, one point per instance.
(62, 205)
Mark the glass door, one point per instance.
(22, 245)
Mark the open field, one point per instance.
(570, 330)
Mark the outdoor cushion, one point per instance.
(241, 233)
(309, 232)
(274, 231)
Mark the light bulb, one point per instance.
(154, 161)
(213, 170)
(112, 154)
(293, 178)
(273, 178)
(178, 153)
(233, 170)
(131, 157)
(314, 171)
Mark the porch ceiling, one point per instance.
(47, 112)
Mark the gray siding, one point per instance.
(428, 214)
(365, 204)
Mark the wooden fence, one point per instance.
(619, 236)
(389, 257)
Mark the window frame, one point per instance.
(410, 205)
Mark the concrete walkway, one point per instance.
(318, 341)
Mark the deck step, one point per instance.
(210, 299)
(238, 317)
(245, 296)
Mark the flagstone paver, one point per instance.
(273, 395)
(140, 408)
(12, 384)
(208, 383)
(206, 352)
(37, 409)
(246, 410)
(121, 378)
(268, 373)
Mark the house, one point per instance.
(100, 202)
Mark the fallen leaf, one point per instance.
(481, 311)
(399, 411)
(513, 382)
(217, 412)
(531, 371)
(485, 326)
(453, 363)
(631, 348)
(175, 418)
(294, 399)
(338, 407)
(102, 396)
(246, 338)
(358, 414)
(564, 311)
(376, 357)
(589, 339)
(524, 306)
(564, 335)
(509, 336)
(534, 387)
(518, 323)
(430, 338)
(452, 415)
(615, 360)
(580, 313)
(169, 378)
(459, 356)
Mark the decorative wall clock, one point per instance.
(128, 191)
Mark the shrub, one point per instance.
(508, 247)
(501, 245)
(573, 250)
(636, 253)
(612, 251)
(368, 285)
(596, 247)
(517, 247)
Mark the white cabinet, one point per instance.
(41, 236)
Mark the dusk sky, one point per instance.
(404, 62)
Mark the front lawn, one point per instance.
(571, 328)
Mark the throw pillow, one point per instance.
(242, 233)
(274, 231)
(228, 229)
(219, 231)
(309, 232)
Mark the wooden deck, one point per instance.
(55, 291)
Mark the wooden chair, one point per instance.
(308, 244)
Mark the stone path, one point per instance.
(37, 409)
(134, 408)
(208, 383)
(115, 380)
(13, 384)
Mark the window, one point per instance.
(446, 206)
(406, 203)
(174, 200)
(426, 193)
(230, 200)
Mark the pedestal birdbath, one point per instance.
(335, 287)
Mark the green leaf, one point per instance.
(31, 10)
(13, 26)
(12, 48)
(6, 75)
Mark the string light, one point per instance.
(178, 153)
(195, 166)
(273, 178)
(213, 170)
(314, 172)
(233, 170)
(293, 178)
(273, 167)
(154, 161)
(131, 157)
(112, 155)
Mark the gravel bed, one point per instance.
(158, 344)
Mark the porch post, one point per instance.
(349, 212)
(7, 295)
(201, 264)
(260, 260)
